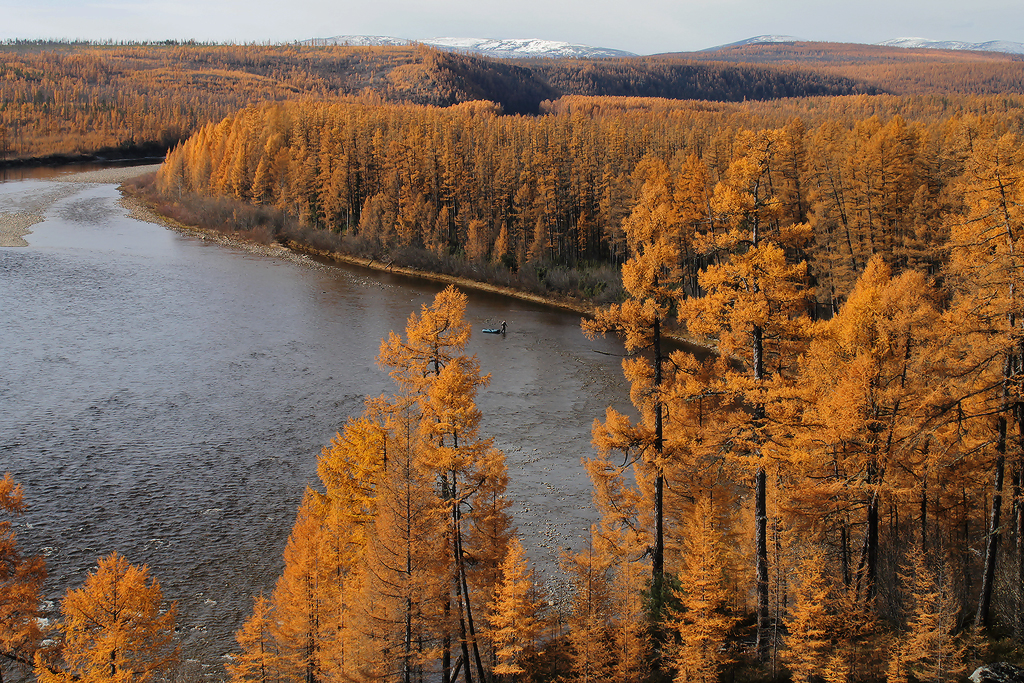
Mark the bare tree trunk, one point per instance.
(924, 514)
(871, 573)
(447, 675)
(761, 512)
(761, 563)
(844, 540)
(658, 560)
(464, 637)
(983, 617)
(469, 606)
(1018, 514)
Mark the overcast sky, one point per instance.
(640, 26)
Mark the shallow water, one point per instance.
(166, 397)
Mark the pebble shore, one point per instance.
(14, 225)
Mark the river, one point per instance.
(166, 397)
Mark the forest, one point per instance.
(833, 495)
(69, 100)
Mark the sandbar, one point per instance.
(15, 225)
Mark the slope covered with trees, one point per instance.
(75, 99)
(464, 183)
(896, 70)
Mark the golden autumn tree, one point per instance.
(298, 596)
(309, 628)
(440, 383)
(701, 623)
(754, 306)
(260, 661)
(21, 579)
(514, 614)
(408, 573)
(984, 271)
(650, 277)
(870, 390)
(488, 538)
(809, 623)
(929, 650)
(589, 640)
(351, 470)
(620, 538)
(114, 628)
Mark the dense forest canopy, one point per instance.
(557, 189)
(833, 486)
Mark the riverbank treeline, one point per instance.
(468, 184)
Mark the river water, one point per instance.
(166, 397)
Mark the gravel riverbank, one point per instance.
(15, 225)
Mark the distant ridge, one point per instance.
(357, 41)
(513, 48)
(756, 40)
(532, 48)
(915, 43)
(990, 46)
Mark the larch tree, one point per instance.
(440, 380)
(701, 623)
(259, 660)
(929, 650)
(488, 537)
(21, 580)
(984, 271)
(869, 386)
(114, 628)
(407, 565)
(754, 305)
(351, 470)
(622, 536)
(809, 623)
(651, 278)
(298, 596)
(589, 614)
(514, 614)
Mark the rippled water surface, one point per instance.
(166, 398)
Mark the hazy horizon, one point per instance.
(644, 27)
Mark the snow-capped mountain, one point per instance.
(990, 46)
(524, 47)
(757, 40)
(357, 41)
(503, 49)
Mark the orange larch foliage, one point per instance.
(702, 622)
(514, 614)
(114, 628)
(21, 580)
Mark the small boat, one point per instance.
(496, 330)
